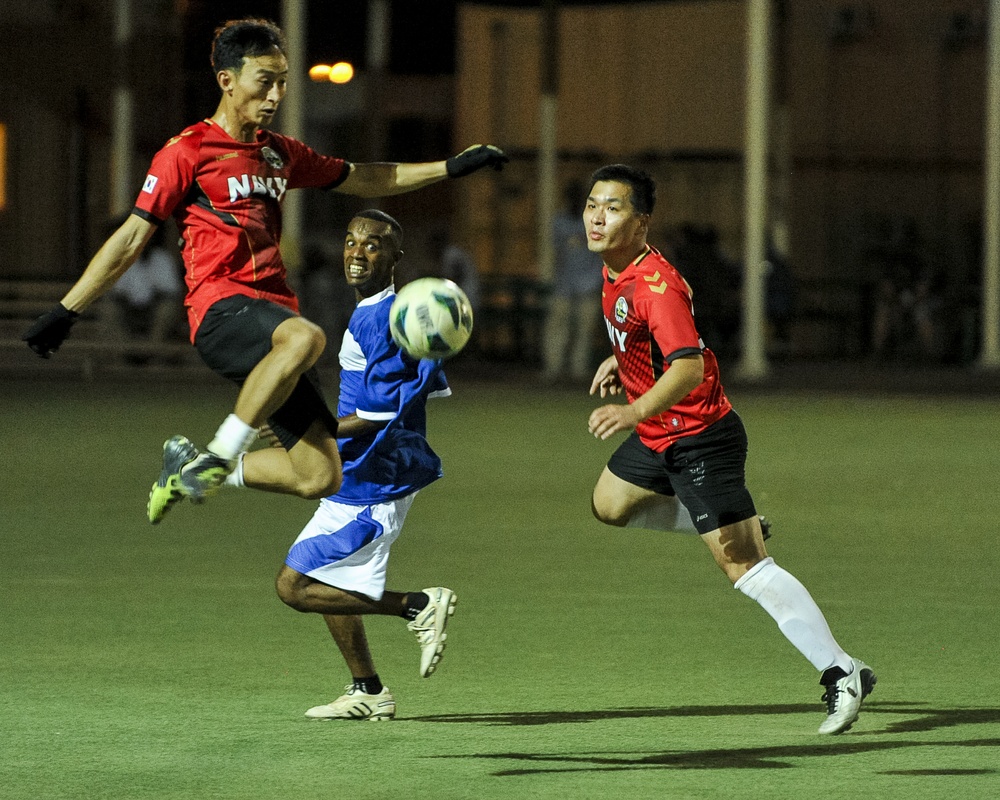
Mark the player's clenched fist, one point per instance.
(50, 330)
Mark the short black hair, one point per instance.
(244, 38)
(381, 216)
(641, 185)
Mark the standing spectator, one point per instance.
(456, 264)
(575, 304)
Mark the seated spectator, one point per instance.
(148, 298)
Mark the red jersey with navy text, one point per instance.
(650, 319)
(226, 197)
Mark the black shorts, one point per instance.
(233, 339)
(706, 472)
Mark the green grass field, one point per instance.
(584, 662)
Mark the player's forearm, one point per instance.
(682, 377)
(116, 255)
(385, 179)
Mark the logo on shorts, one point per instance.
(271, 157)
(675, 422)
(150, 184)
(621, 310)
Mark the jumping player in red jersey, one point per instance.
(223, 180)
(687, 443)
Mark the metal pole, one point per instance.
(990, 356)
(547, 109)
(122, 193)
(293, 16)
(377, 58)
(754, 359)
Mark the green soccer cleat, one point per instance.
(177, 451)
(204, 476)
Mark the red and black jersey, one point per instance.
(650, 320)
(226, 197)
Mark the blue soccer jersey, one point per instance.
(379, 383)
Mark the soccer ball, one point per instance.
(431, 318)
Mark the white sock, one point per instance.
(235, 478)
(233, 437)
(666, 514)
(782, 596)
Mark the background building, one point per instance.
(876, 136)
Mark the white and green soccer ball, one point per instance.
(431, 318)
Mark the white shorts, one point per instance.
(348, 546)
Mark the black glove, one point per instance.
(476, 157)
(50, 330)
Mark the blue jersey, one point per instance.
(380, 383)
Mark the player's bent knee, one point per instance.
(301, 338)
(317, 486)
(609, 516)
(289, 588)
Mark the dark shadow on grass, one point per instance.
(779, 757)
(921, 719)
(737, 758)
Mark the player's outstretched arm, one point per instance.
(385, 179)
(117, 254)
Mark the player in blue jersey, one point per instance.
(337, 565)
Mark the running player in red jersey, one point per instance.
(687, 443)
(223, 180)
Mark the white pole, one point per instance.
(990, 356)
(754, 359)
(293, 15)
(122, 190)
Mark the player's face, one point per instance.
(370, 254)
(256, 92)
(614, 227)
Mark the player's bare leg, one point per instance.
(615, 501)
(296, 346)
(311, 469)
(365, 698)
(307, 595)
(622, 504)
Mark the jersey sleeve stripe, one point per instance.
(147, 216)
(348, 166)
(684, 351)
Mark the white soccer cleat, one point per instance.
(355, 704)
(429, 627)
(844, 694)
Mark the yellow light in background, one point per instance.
(341, 72)
(3, 166)
(319, 73)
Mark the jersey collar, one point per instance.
(388, 291)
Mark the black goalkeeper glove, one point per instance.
(476, 157)
(50, 330)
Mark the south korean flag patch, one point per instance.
(150, 184)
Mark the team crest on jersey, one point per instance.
(272, 157)
(621, 310)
